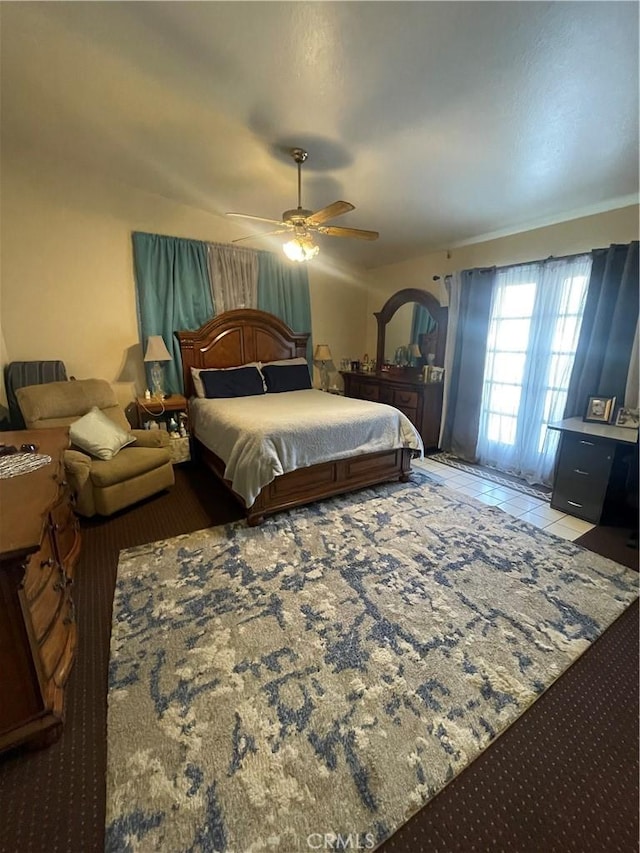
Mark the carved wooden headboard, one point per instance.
(238, 337)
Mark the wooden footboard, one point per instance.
(317, 481)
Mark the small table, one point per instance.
(162, 411)
(155, 409)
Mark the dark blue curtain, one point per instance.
(283, 290)
(173, 293)
(608, 328)
(469, 315)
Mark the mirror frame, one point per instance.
(428, 301)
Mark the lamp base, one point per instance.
(324, 377)
(157, 381)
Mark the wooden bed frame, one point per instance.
(244, 335)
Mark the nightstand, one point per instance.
(162, 411)
(159, 410)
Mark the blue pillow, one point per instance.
(241, 382)
(286, 377)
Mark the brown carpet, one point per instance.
(564, 777)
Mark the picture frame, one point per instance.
(627, 418)
(599, 409)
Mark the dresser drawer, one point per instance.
(64, 527)
(45, 606)
(365, 391)
(412, 414)
(585, 457)
(587, 505)
(386, 395)
(405, 399)
(40, 566)
(55, 642)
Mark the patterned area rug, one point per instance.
(326, 674)
(497, 477)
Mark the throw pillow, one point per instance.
(98, 435)
(279, 378)
(236, 382)
(197, 371)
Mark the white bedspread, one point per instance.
(258, 438)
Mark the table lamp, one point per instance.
(323, 355)
(156, 353)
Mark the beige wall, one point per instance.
(67, 277)
(576, 235)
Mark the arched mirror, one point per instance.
(412, 329)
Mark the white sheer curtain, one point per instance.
(535, 322)
(234, 277)
(633, 377)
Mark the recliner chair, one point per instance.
(102, 487)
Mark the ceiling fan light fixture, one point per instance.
(300, 249)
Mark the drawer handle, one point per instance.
(578, 471)
(573, 503)
(589, 443)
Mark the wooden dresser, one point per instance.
(421, 402)
(39, 546)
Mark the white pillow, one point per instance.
(297, 360)
(197, 382)
(98, 435)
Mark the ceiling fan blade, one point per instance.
(259, 218)
(264, 234)
(329, 212)
(336, 231)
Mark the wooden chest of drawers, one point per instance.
(39, 547)
(420, 402)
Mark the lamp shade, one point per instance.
(414, 350)
(322, 353)
(156, 349)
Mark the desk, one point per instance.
(592, 462)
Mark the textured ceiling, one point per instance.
(440, 122)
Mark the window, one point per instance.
(533, 334)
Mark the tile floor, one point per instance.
(533, 510)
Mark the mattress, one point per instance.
(262, 437)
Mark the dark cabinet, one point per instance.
(421, 402)
(587, 467)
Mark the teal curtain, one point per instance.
(422, 323)
(283, 290)
(173, 293)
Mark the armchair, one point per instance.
(101, 487)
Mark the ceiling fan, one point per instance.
(301, 222)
